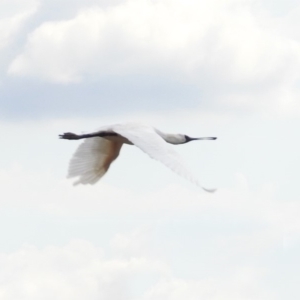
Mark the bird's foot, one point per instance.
(69, 136)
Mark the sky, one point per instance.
(225, 68)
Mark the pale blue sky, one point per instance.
(222, 68)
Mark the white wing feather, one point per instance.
(92, 159)
(145, 138)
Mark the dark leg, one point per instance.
(73, 136)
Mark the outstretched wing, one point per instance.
(92, 159)
(151, 143)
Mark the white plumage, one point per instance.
(94, 156)
(92, 159)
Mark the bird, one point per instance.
(94, 156)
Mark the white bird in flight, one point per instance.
(94, 156)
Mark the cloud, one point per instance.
(224, 245)
(189, 38)
(12, 17)
(192, 46)
(243, 285)
(228, 241)
(273, 220)
(79, 270)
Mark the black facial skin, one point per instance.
(188, 139)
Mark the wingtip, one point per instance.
(209, 190)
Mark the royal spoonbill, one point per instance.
(94, 156)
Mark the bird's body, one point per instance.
(94, 156)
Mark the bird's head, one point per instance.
(177, 139)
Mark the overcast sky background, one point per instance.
(226, 68)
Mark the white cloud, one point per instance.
(196, 39)
(228, 44)
(244, 285)
(79, 270)
(12, 17)
(273, 220)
